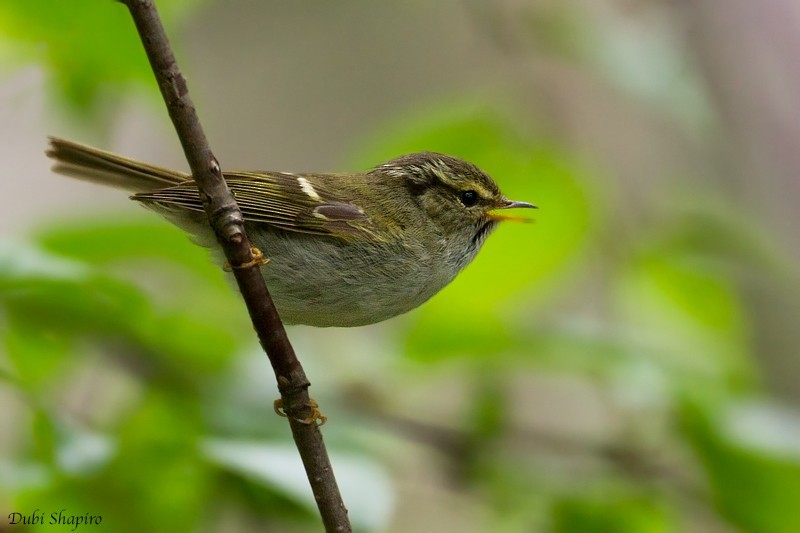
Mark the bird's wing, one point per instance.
(282, 200)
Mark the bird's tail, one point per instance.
(98, 166)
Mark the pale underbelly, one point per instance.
(322, 282)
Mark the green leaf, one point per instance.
(686, 311)
(155, 477)
(88, 46)
(109, 240)
(611, 513)
(77, 302)
(39, 356)
(364, 485)
(179, 274)
(755, 489)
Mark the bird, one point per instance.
(345, 249)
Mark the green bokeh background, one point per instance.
(611, 367)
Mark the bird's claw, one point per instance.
(316, 418)
(258, 259)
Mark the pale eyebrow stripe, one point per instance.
(308, 188)
(482, 191)
(439, 169)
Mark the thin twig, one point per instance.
(228, 223)
(637, 463)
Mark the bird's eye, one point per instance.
(469, 198)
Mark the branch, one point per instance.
(457, 445)
(228, 223)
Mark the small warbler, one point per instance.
(344, 249)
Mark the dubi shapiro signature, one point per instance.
(59, 518)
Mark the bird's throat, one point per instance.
(482, 232)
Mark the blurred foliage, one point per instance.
(129, 362)
(520, 261)
(117, 337)
(64, 37)
(612, 513)
(755, 489)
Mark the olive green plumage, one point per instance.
(344, 249)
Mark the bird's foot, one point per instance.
(316, 418)
(258, 259)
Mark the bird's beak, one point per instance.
(510, 204)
